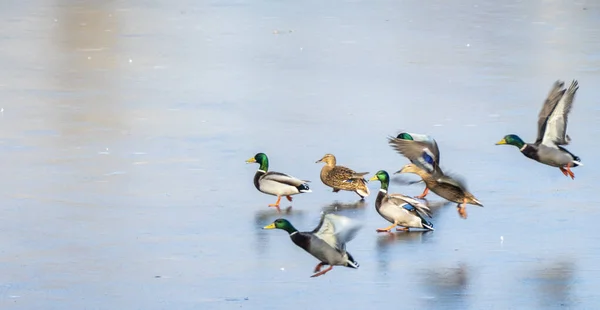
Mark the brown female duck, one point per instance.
(445, 187)
(342, 178)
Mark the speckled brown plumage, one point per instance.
(342, 178)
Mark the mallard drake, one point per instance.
(552, 129)
(446, 187)
(342, 178)
(398, 209)
(276, 183)
(422, 150)
(327, 242)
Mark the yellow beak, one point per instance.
(251, 160)
(374, 178)
(270, 226)
(503, 141)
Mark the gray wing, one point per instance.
(556, 92)
(556, 125)
(336, 230)
(399, 200)
(430, 141)
(452, 180)
(283, 178)
(415, 150)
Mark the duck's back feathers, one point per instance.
(278, 183)
(452, 179)
(343, 173)
(410, 204)
(556, 125)
(340, 177)
(283, 178)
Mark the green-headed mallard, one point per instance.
(327, 242)
(552, 129)
(343, 178)
(398, 209)
(422, 150)
(446, 187)
(276, 183)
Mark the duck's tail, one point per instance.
(362, 189)
(303, 188)
(350, 262)
(427, 224)
(476, 202)
(576, 161)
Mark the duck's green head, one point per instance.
(383, 177)
(511, 140)
(281, 224)
(261, 159)
(404, 136)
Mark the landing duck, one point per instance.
(327, 242)
(552, 131)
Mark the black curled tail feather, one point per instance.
(351, 263)
(303, 188)
(427, 224)
(575, 157)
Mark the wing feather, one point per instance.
(556, 125)
(405, 202)
(424, 154)
(556, 92)
(336, 230)
(283, 178)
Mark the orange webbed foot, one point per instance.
(571, 174)
(387, 229)
(462, 210)
(320, 273)
(425, 192)
(318, 267)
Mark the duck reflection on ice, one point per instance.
(417, 236)
(386, 251)
(554, 282)
(339, 206)
(448, 286)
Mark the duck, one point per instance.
(276, 183)
(343, 178)
(327, 242)
(445, 186)
(422, 150)
(548, 147)
(398, 209)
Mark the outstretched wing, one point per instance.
(556, 125)
(336, 230)
(556, 92)
(452, 180)
(282, 178)
(424, 154)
